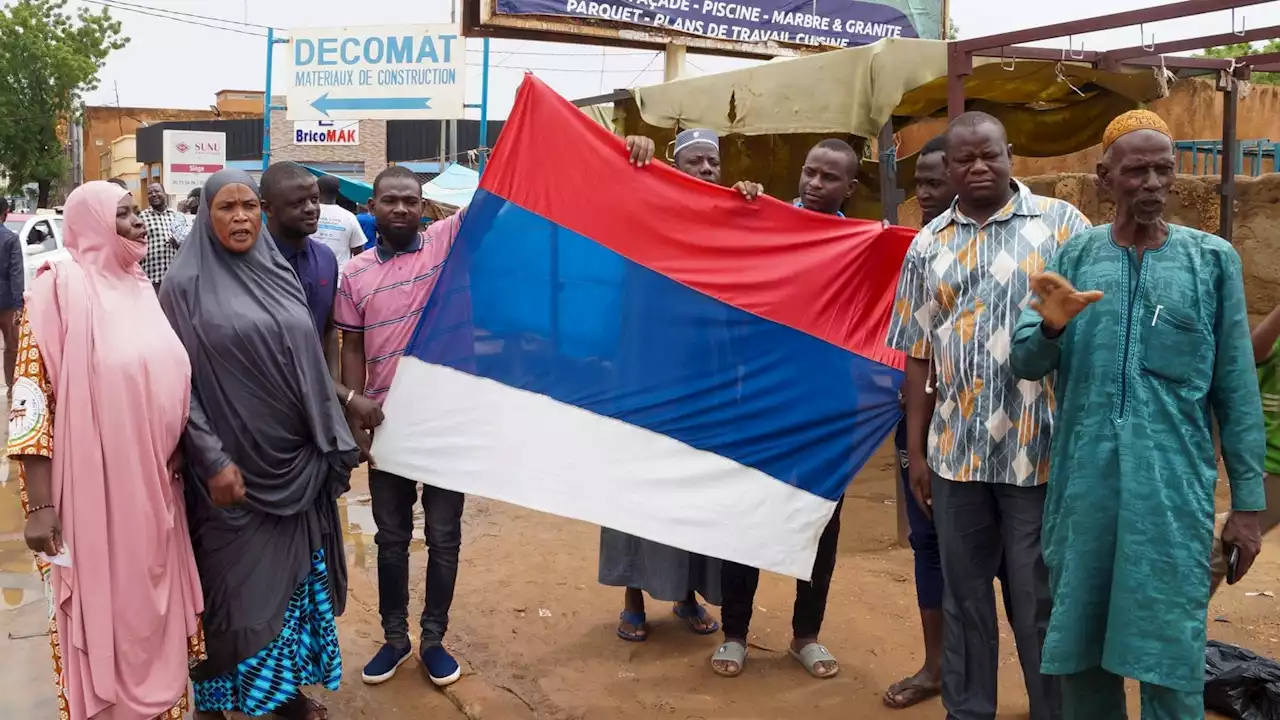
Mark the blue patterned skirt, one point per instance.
(304, 653)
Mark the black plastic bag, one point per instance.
(1240, 684)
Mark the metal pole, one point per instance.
(959, 65)
(266, 102)
(453, 141)
(890, 196)
(484, 108)
(1227, 211)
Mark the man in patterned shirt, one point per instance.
(162, 225)
(979, 461)
(1266, 356)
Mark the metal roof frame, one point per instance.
(1230, 71)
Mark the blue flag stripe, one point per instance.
(535, 306)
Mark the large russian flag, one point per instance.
(646, 351)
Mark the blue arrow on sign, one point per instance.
(324, 104)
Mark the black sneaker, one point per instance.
(383, 666)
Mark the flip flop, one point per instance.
(691, 614)
(636, 620)
(734, 651)
(812, 654)
(909, 692)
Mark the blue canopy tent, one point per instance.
(455, 186)
(354, 190)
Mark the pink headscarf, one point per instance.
(121, 384)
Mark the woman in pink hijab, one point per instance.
(99, 404)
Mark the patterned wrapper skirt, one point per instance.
(304, 653)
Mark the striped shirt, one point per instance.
(382, 294)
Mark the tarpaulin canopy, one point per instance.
(643, 350)
(857, 90)
(356, 191)
(771, 114)
(455, 186)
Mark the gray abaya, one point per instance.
(263, 400)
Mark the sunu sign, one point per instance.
(382, 73)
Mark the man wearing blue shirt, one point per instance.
(368, 225)
(12, 281)
(827, 180)
(829, 177)
(291, 201)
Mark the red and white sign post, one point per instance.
(190, 157)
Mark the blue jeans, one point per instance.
(924, 540)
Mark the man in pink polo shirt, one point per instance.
(381, 296)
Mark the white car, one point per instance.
(41, 238)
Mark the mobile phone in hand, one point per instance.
(1233, 563)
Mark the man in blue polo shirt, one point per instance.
(368, 225)
(828, 178)
(291, 201)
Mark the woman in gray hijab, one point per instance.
(268, 453)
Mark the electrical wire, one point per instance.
(645, 70)
(522, 68)
(125, 5)
(600, 87)
(174, 18)
(559, 54)
(199, 20)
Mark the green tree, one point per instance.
(1242, 49)
(48, 60)
(953, 30)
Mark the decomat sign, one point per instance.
(377, 73)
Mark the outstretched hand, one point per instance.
(641, 150)
(1057, 300)
(749, 190)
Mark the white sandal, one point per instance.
(732, 651)
(810, 655)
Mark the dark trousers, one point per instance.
(9, 331)
(738, 585)
(394, 498)
(978, 525)
(923, 537)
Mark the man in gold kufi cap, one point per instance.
(1151, 352)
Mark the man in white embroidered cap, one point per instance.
(697, 153)
(642, 566)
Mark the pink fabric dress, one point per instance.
(131, 598)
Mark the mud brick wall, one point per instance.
(1195, 203)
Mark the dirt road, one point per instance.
(535, 631)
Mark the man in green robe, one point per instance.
(1160, 349)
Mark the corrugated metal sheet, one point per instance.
(420, 139)
(244, 138)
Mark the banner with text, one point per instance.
(409, 72)
(827, 23)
